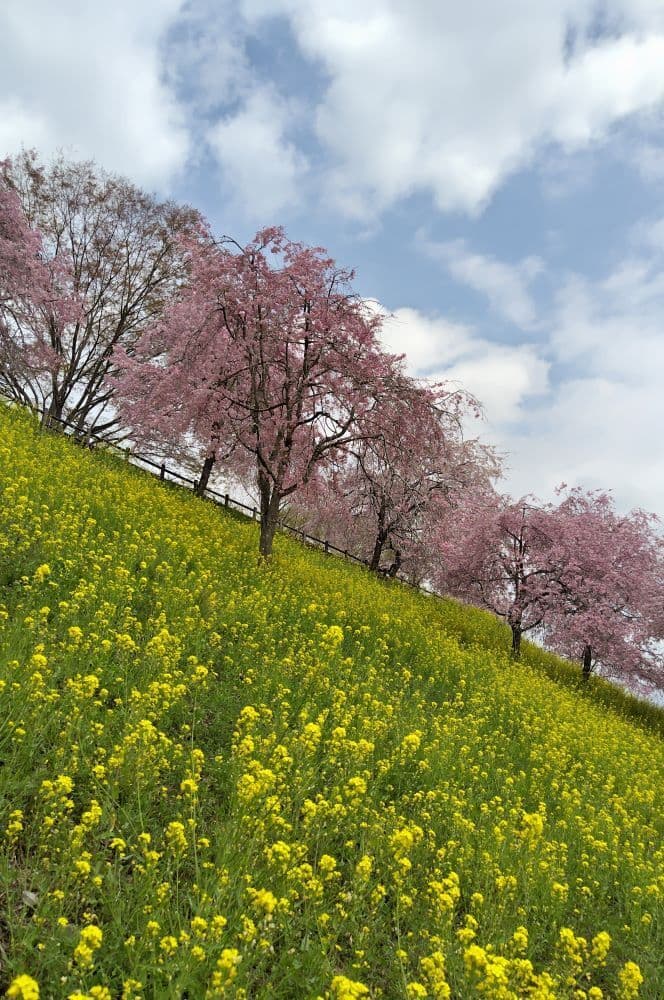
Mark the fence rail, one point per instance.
(87, 438)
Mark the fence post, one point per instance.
(162, 471)
(226, 499)
(327, 546)
(127, 453)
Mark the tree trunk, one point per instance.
(53, 415)
(201, 485)
(381, 538)
(396, 564)
(270, 501)
(374, 562)
(516, 640)
(587, 661)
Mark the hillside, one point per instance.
(225, 780)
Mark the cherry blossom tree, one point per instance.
(268, 349)
(587, 577)
(24, 279)
(22, 274)
(390, 484)
(501, 554)
(610, 588)
(110, 261)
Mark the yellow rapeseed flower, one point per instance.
(24, 987)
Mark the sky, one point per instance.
(493, 171)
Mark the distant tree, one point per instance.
(113, 260)
(389, 484)
(610, 587)
(500, 554)
(589, 579)
(268, 349)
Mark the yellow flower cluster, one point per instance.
(23, 988)
(347, 989)
(226, 779)
(89, 941)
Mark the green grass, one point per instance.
(294, 780)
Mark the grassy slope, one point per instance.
(426, 796)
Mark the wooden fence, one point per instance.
(162, 472)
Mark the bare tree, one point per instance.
(114, 257)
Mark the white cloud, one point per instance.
(204, 56)
(612, 328)
(506, 286)
(17, 121)
(452, 98)
(504, 378)
(236, 112)
(584, 405)
(605, 423)
(429, 342)
(263, 168)
(87, 78)
(436, 97)
(598, 433)
(606, 83)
